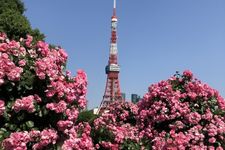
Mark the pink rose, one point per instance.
(188, 74)
(26, 103)
(2, 107)
(22, 63)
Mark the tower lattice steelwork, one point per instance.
(112, 88)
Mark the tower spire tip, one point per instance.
(114, 8)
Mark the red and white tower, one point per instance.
(112, 89)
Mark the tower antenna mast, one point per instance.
(114, 8)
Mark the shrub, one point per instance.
(39, 102)
(117, 128)
(40, 105)
(182, 113)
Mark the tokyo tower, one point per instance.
(112, 89)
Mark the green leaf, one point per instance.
(6, 116)
(9, 105)
(30, 124)
(27, 80)
(37, 108)
(9, 87)
(21, 117)
(28, 87)
(12, 127)
(3, 129)
(23, 126)
(1, 132)
(40, 114)
(1, 137)
(45, 111)
(6, 134)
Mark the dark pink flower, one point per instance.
(3, 47)
(2, 36)
(188, 74)
(37, 98)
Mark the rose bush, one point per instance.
(39, 102)
(182, 113)
(178, 113)
(117, 128)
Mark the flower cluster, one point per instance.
(20, 140)
(37, 94)
(26, 103)
(182, 113)
(72, 90)
(8, 68)
(46, 137)
(17, 140)
(50, 62)
(117, 126)
(79, 138)
(178, 113)
(40, 106)
(59, 107)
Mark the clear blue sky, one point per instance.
(156, 39)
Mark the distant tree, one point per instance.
(11, 4)
(14, 23)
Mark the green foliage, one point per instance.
(86, 116)
(102, 134)
(12, 5)
(14, 23)
(130, 145)
(37, 35)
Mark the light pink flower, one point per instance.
(14, 74)
(193, 118)
(22, 62)
(26, 103)
(64, 124)
(212, 140)
(72, 114)
(47, 136)
(28, 40)
(57, 107)
(2, 107)
(17, 141)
